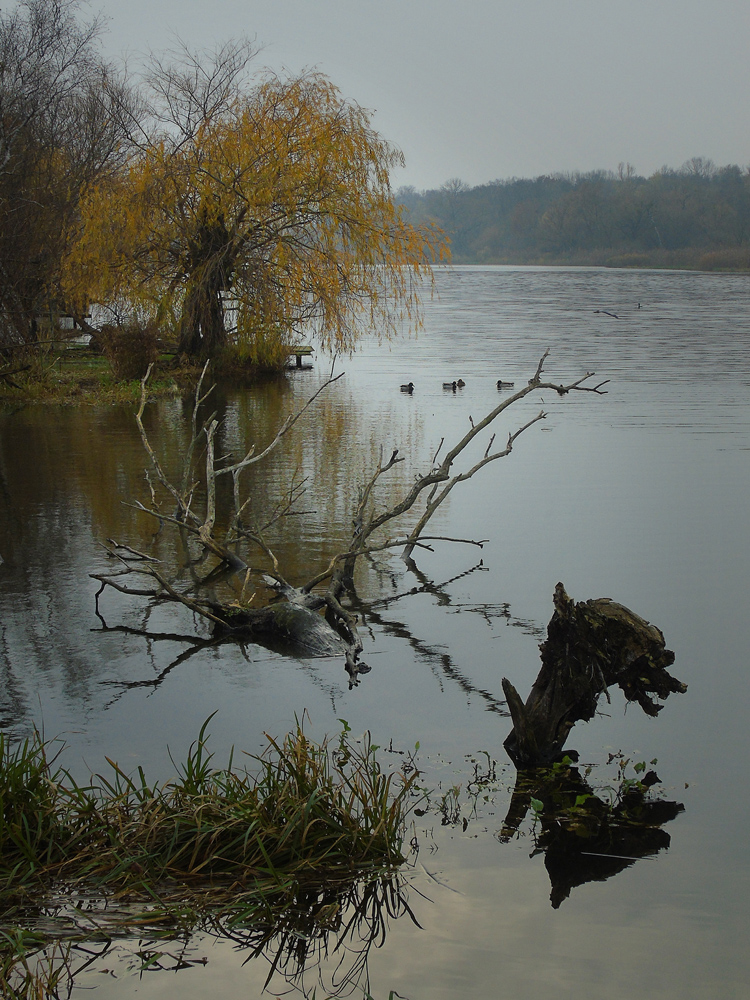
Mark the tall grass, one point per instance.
(303, 808)
(218, 848)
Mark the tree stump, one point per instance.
(589, 647)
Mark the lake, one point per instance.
(640, 495)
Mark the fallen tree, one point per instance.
(590, 646)
(241, 551)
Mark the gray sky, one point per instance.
(485, 89)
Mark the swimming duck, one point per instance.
(450, 385)
(504, 385)
(460, 383)
(408, 388)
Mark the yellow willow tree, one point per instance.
(251, 214)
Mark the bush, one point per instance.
(129, 348)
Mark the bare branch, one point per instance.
(430, 483)
(150, 451)
(424, 495)
(109, 582)
(196, 431)
(133, 552)
(290, 421)
(462, 477)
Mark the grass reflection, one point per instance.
(315, 938)
(281, 860)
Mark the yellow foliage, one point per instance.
(275, 213)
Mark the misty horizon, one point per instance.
(482, 90)
(709, 168)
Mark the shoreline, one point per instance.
(721, 261)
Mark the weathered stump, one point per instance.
(589, 647)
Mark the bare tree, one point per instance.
(234, 549)
(57, 135)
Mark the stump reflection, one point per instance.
(585, 836)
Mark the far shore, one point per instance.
(725, 260)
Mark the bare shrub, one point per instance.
(129, 348)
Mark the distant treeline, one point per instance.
(695, 217)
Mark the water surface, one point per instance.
(639, 495)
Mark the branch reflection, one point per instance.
(372, 613)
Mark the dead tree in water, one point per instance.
(590, 646)
(295, 617)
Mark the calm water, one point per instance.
(640, 495)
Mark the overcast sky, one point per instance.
(486, 89)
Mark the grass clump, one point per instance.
(305, 809)
(271, 856)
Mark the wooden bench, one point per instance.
(299, 353)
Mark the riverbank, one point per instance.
(75, 375)
(728, 260)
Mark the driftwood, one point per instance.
(590, 646)
(294, 629)
(291, 625)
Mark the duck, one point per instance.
(504, 385)
(450, 385)
(460, 383)
(408, 388)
